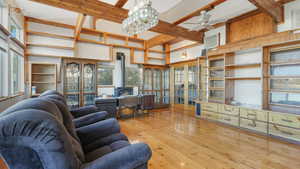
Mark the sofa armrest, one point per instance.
(90, 119)
(130, 157)
(82, 111)
(92, 132)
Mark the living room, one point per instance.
(138, 84)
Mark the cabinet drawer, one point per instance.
(210, 107)
(253, 114)
(254, 125)
(285, 132)
(229, 119)
(210, 115)
(228, 109)
(285, 119)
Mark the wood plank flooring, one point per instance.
(181, 141)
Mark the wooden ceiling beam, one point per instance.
(121, 3)
(79, 25)
(110, 12)
(161, 39)
(270, 7)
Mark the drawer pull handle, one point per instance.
(288, 121)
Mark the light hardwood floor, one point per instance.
(181, 141)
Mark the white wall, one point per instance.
(192, 53)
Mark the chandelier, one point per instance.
(141, 18)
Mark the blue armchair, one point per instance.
(33, 134)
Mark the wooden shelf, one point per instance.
(242, 78)
(154, 58)
(237, 66)
(35, 82)
(45, 74)
(216, 88)
(50, 46)
(46, 55)
(286, 91)
(50, 35)
(297, 62)
(217, 68)
(216, 78)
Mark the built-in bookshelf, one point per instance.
(216, 79)
(43, 77)
(243, 78)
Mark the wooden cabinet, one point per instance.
(43, 78)
(253, 114)
(228, 109)
(284, 132)
(289, 120)
(277, 124)
(255, 125)
(213, 107)
(227, 119)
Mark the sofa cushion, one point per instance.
(106, 150)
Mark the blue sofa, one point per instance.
(40, 133)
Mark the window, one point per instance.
(285, 78)
(2, 12)
(15, 29)
(2, 65)
(133, 76)
(16, 66)
(179, 85)
(105, 76)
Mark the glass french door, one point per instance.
(179, 85)
(156, 82)
(79, 83)
(193, 81)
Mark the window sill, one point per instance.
(18, 42)
(11, 97)
(4, 30)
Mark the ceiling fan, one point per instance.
(203, 21)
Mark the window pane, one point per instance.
(89, 78)
(285, 84)
(193, 80)
(285, 98)
(286, 56)
(216, 63)
(156, 79)
(133, 76)
(285, 70)
(216, 73)
(72, 77)
(105, 76)
(147, 79)
(217, 83)
(14, 73)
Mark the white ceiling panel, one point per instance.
(160, 5)
(38, 10)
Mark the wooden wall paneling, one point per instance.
(249, 27)
(167, 53)
(265, 40)
(270, 7)
(132, 59)
(265, 74)
(146, 56)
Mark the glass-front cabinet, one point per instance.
(79, 82)
(156, 82)
(179, 85)
(284, 78)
